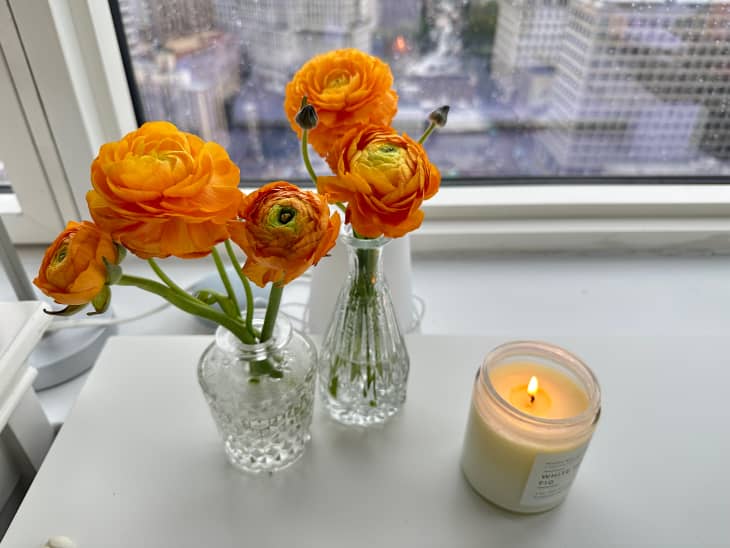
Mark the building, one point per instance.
(135, 20)
(640, 82)
(528, 37)
(157, 21)
(621, 81)
(280, 35)
(189, 81)
(185, 70)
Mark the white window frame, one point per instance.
(86, 100)
(64, 63)
(34, 211)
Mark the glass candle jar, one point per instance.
(525, 438)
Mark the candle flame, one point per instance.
(532, 386)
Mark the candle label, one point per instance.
(551, 476)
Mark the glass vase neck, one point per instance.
(228, 342)
(351, 240)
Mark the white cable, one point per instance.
(419, 311)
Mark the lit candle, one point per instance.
(534, 408)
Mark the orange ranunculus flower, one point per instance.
(160, 192)
(283, 230)
(384, 178)
(72, 271)
(347, 87)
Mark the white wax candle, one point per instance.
(522, 449)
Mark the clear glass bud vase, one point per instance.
(363, 365)
(261, 395)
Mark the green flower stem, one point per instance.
(272, 310)
(246, 287)
(362, 291)
(429, 131)
(164, 277)
(226, 281)
(187, 303)
(367, 264)
(305, 157)
(310, 169)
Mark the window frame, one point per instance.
(33, 211)
(682, 214)
(74, 98)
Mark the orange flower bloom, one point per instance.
(283, 230)
(384, 178)
(160, 192)
(347, 87)
(72, 271)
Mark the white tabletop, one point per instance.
(139, 463)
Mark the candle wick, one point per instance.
(532, 398)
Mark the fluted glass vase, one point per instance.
(261, 395)
(363, 365)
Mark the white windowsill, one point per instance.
(654, 218)
(514, 296)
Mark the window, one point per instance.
(219, 67)
(563, 188)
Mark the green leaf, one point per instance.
(333, 386)
(121, 252)
(113, 272)
(101, 301)
(70, 310)
(208, 297)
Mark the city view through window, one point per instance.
(536, 87)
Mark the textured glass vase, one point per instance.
(264, 419)
(363, 365)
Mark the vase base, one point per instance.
(268, 460)
(363, 415)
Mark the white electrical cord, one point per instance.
(419, 311)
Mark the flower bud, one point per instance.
(306, 118)
(439, 116)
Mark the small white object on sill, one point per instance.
(59, 542)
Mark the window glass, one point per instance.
(536, 88)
